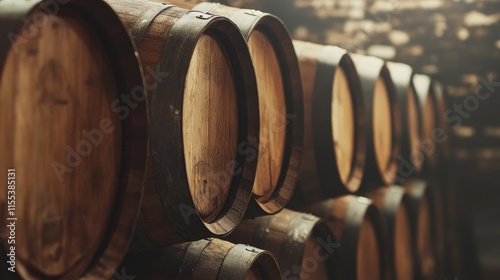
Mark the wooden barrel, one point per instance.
(204, 122)
(356, 224)
(206, 259)
(280, 105)
(78, 162)
(392, 204)
(430, 121)
(443, 137)
(383, 123)
(422, 221)
(411, 160)
(334, 146)
(303, 245)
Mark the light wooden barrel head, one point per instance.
(403, 256)
(210, 127)
(312, 267)
(64, 141)
(413, 129)
(382, 125)
(424, 240)
(272, 109)
(368, 253)
(343, 125)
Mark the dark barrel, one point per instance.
(411, 161)
(383, 122)
(334, 155)
(207, 259)
(302, 244)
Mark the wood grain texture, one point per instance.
(79, 199)
(272, 109)
(210, 127)
(44, 138)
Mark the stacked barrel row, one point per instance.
(138, 129)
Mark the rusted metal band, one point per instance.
(238, 261)
(189, 261)
(144, 20)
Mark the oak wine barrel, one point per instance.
(422, 221)
(206, 259)
(383, 123)
(204, 122)
(280, 105)
(302, 244)
(392, 205)
(334, 146)
(65, 71)
(430, 122)
(411, 160)
(358, 227)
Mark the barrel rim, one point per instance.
(109, 29)
(166, 134)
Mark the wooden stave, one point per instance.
(175, 202)
(388, 200)
(402, 77)
(415, 191)
(126, 66)
(358, 208)
(185, 261)
(301, 228)
(373, 176)
(249, 21)
(320, 187)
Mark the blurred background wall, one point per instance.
(457, 42)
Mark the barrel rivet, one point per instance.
(251, 249)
